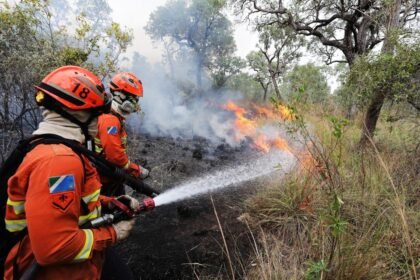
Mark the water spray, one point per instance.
(228, 177)
(221, 179)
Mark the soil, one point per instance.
(183, 240)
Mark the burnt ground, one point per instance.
(182, 240)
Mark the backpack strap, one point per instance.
(9, 167)
(55, 139)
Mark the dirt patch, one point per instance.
(183, 240)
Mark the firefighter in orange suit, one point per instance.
(55, 190)
(111, 140)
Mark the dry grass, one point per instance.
(352, 214)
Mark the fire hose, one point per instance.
(103, 166)
(121, 212)
(110, 170)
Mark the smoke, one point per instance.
(171, 106)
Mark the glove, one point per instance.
(123, 229)
(144, 172)
(131, 202)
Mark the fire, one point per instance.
(279, 112)
(252, 123)
(262, 143)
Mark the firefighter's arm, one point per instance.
(53, 210)
(105, 200)
(109, 132)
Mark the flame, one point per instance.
(262, 143)
(249, 123)
(279, 112)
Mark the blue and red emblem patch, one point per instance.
(61, 190)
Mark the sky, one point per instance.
(135, 15)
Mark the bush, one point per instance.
(345, 213)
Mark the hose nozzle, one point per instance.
(146, 205)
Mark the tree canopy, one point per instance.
(306, 84)
(277, 49)
(350, 27)
(33, 41)
(201, 27)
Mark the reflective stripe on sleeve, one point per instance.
(15, 225)
(86, 250)
(92, 197)
(124, 143)
(92, 215)
(127, 165)
(18, 206)
(98, 146)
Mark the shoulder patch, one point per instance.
(112, 130)
(63, 200)
(60, 184)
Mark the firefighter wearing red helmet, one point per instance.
(54, 189)
(111, 140)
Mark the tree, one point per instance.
(246, 85)
(378, 99)
(31, 45)
(394, 77)
(258, 63)
(103, 39)
(200, 26)
(223, 68)
(306, 83)
(280, 48)
(352, 28)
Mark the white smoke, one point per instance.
(172, 108)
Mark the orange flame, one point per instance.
(262, 143)
(249, 123)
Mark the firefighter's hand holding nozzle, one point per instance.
(130, 201)
(123, 229)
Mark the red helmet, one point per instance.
(127, 83)
(75, 88)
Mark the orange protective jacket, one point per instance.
(112, 142)
(45, 196)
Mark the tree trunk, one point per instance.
(372, 116)
(198, 74)
(170, 61)
(375, 106)
(276, 87)
(265, 88)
